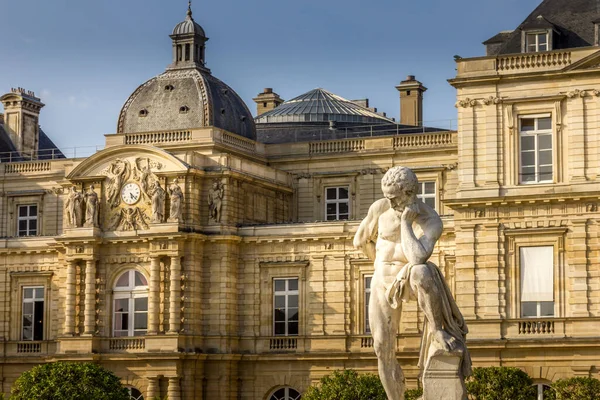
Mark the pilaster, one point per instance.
(175, 297)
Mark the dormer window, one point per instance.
(537, 41)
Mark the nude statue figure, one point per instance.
(399, 234)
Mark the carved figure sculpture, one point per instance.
(91, 207)
(128, 219)
(215, 197)
(142, 172)
(73, 209)
(158, 203)
(176, 197)
(117, 172)
(399, 234)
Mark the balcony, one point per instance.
(27, 348)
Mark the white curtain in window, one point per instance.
(537, 273)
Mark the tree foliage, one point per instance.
(500, 383)
(346, 385)
(578, 388)
(68, 381)
(413, 394)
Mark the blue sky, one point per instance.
(84, 58)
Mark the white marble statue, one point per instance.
(176, 197)
(73, 209)
(158, 203)
(399, 234)
(91, 208)
(215, 201)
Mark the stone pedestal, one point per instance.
(442, 377)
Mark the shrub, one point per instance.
(500, 383)
(578, 388)
(413, 394)
(68, 381)
(346, 385)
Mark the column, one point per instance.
(175, 296)
(90, 298)
(70, 299)
(153, 296)
(153, 390)
(174, 391)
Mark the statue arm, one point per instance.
(365, 236)
(418, 250)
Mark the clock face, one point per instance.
(130, 193)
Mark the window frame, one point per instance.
(337, 201)
(424, 196)
(286, 393)
(286, 293)
(28, 218)
(536, 45)
(536, 133)
(366, 302)
(32, 300)
(538, 303)
(130, 293)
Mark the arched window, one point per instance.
(130, 312)
(134, 394)
(285, 393)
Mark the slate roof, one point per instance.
(572, 19)
(47, 150)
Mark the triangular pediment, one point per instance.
(590, 62)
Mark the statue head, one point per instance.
(215, 185)
(399, 186)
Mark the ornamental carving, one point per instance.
(576, 93)
(492, 100)
(128, 219)
(467, 102)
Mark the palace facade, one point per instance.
(206, 254)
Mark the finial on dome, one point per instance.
(189, 10)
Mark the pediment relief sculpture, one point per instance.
(128, 219)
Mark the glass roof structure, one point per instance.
(319, 105)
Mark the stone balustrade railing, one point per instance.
(29, 347)
(423, 140)
(533, 60)
(283, 343)
(237, 142)
(27, 167)
(336, 146)
(536, 327)
(158, 137)
(126, 343)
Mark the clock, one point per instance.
(130, 193)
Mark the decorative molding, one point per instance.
(492, 100)
(467, 102)
(576, 93)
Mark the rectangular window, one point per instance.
(426, 193)
(285, 307)
(367, 299)
(536, 149)
(131, 316)
(33, 313)
(27, 220)
(337, 203)
(537, 281)
(536, 42)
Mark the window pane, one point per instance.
(547, 309)
(293, 328)
(331, 193)
(279, 301)
(293, 284)
(430, 201)
(545, 142)
(331, 208)
(527, 143)
(545, 123)
(28, 308)
(33, 224)
(123, 280)
(28, 293)
(527, 158)
(23, 226)
(542, 38)
(293, 300)
(543, 47)
(279, 315)
(32, 211)
(343, 193)
(429, 187)
(545, 173)
(140, 321)
(280, 328)
(279, 285)
(141, 304)
(39, 293)
(27, 333)
(22, 211)
(140, 280)
(527, 124)
(544, 158)
(420, 189)
(293, 314)
(528, 174)
(343, 207)
(122, 305)
(528, 309)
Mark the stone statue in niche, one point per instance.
(215, 201)
(91, 207)
(399, 234)
(73, 208)
(176, 197)
(142, 172)
(117, 173)
(128, 219)
(158, 202)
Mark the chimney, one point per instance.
(266, 101)
(411, 101)
(21, 120)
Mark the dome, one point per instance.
(319, 105)
(185, 99)
(188, 26)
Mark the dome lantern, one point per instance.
(189, 42)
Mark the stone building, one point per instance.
(207, 255)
